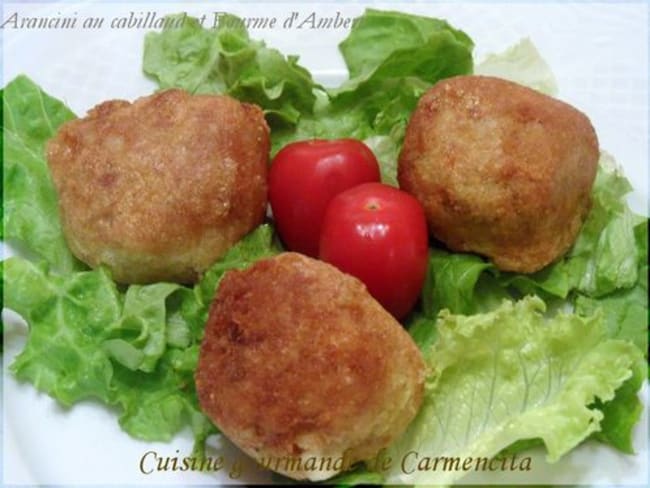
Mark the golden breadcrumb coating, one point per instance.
(500, 169)
(298, 360)
(160, 188)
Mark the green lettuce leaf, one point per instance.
(71, 352)
(626, 310)
(137, 340)
(621, 414)
(356, 477)
(392, 59)
(625, 313)
(68, 318)
(522, 64)
(451, 282)
(135, 349)
(552, 281)
(422, 330)
(30, 208)
(226, 60)
(257, 245)
(513, 374)
(386, 149)
(379, 36)
(155, 406)
(605, 255)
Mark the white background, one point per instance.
(598, 52)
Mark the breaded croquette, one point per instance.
(299, 361)
(500, 169)
(159, 189)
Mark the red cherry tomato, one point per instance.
(378, 234)
(305, 176)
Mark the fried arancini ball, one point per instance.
(160, 188)
(500, 169)
(299, 361)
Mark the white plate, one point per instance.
(598, 52)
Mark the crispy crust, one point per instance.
(500, 169)
(160, 188)
(299, 360)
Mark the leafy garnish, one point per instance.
(522, 64)
(135, 349)
(226, 60)
(30, 208)
(513, 374)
